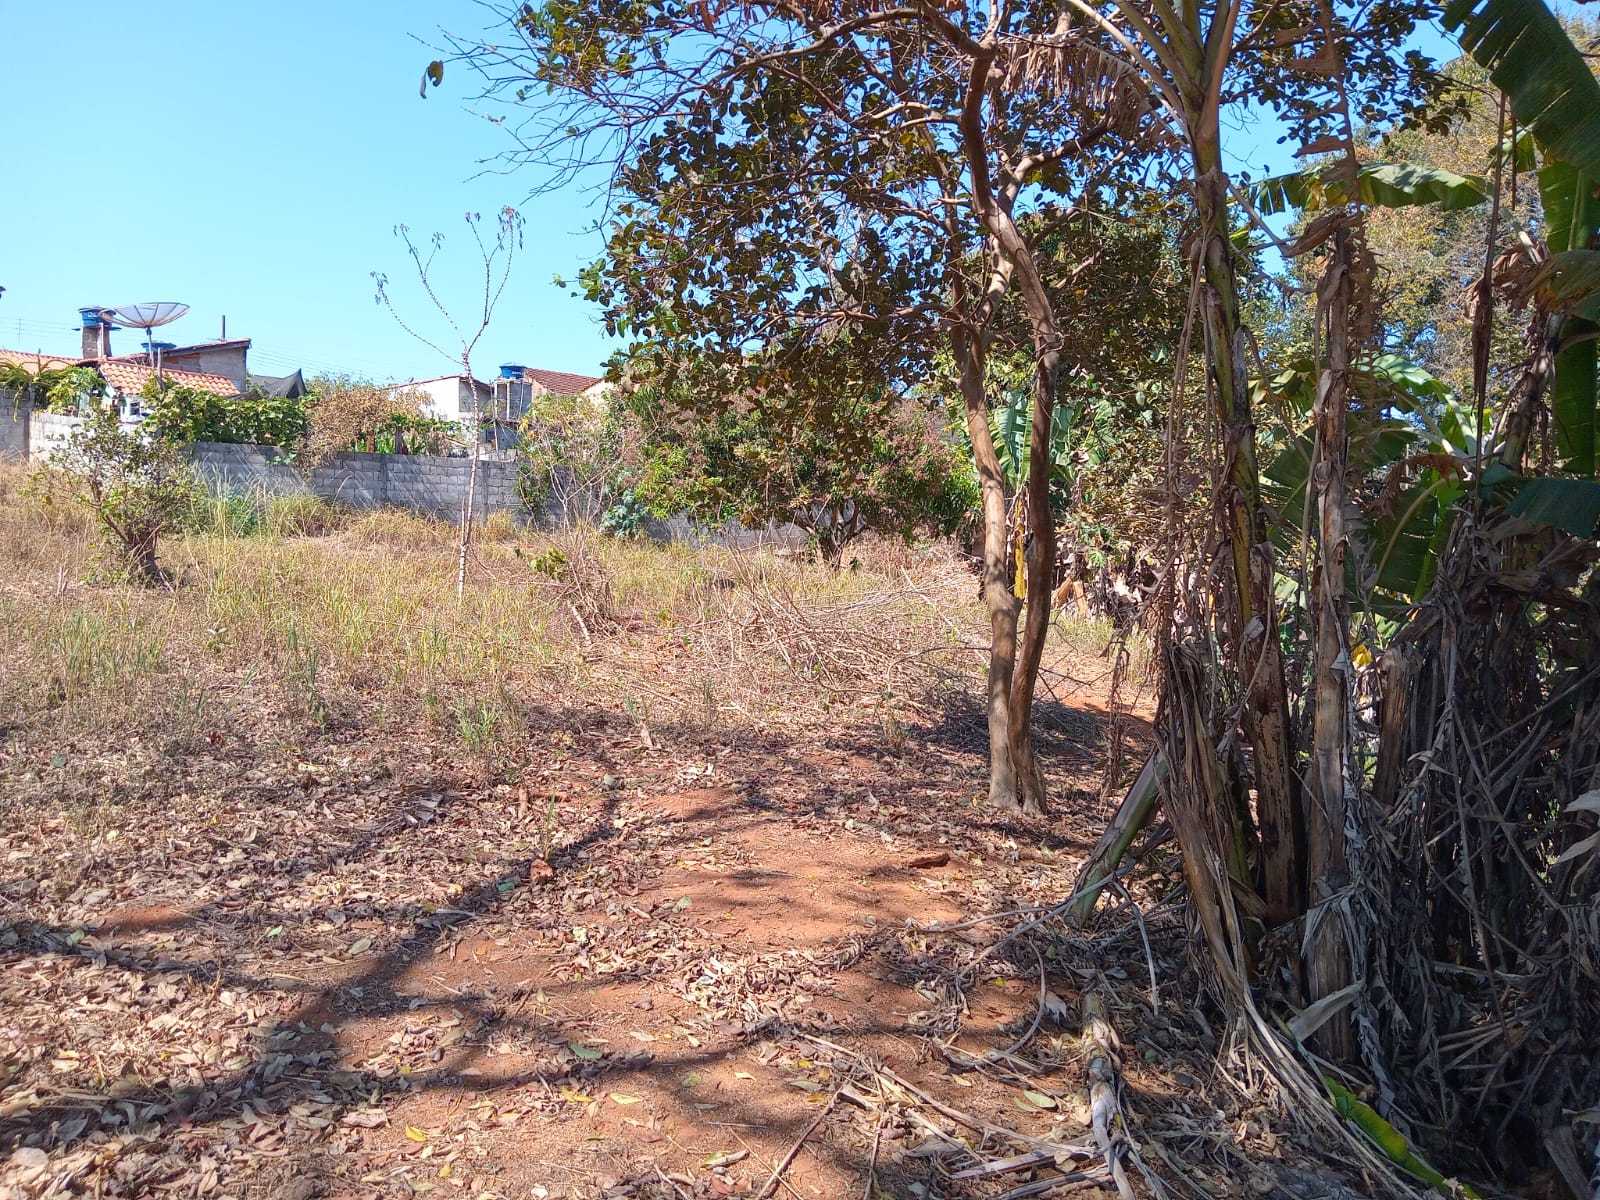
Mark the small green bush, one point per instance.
(137, 487)
(184, 415)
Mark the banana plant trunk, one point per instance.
(998, 597)
(1335, 798)
(1253, 632)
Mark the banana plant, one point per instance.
(1410, 447)
(1555, 98)
(1553, 93)
(1012, 426)
(1378, 185)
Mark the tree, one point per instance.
(495, 257)
(898, 474)
(796, 173)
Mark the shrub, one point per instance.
(576, 453)
(349, 414)
(184, 415)
(626, 517)
(136, 486)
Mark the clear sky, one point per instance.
(252, 160)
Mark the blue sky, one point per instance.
(252, 160)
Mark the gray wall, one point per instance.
(422, 483)
(419, 482)
(14, 416)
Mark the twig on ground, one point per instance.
(1057, 1149)
(671, 1183)
(1040, 1186)
(1144, 934)
(872, 1162)
(783, 1163)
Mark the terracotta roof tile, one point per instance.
(562, 383)
(33, 361)
(131, 377)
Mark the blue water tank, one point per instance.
(90, 317)
(511, 370)
(152, 347)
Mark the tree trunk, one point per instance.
(994, 211)
(1253, 626)
(1335, 800)
(1041, 556)
(997, 595)
(468, 511)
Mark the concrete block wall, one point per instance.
(15, 417)
(419, 482)
(247, 470)
(427, 484)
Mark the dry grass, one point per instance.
(313, 616)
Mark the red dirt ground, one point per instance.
(334, 970)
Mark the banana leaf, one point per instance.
(1401, 542)
(1545, 77)
(1570, 284)
(1011, 425)
(1378, 185)
(1572, 400)
(1570, 504)
(1571, 209)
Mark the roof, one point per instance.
(131, 377)
(288, 386)
(36, 362)
(563, 383)
(219, 344)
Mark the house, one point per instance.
(220, 367)
(505, 398)
(125, 377)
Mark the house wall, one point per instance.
(442, 397)
(48, 432)
(218, 360)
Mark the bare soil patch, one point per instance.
(334, 971)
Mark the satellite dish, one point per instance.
(150, 314)
(147, 316)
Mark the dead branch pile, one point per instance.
(1489, 944)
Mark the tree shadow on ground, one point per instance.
(304, 1055)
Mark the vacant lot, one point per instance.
(623, 878)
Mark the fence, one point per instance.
(429, 484)
(420, 482)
